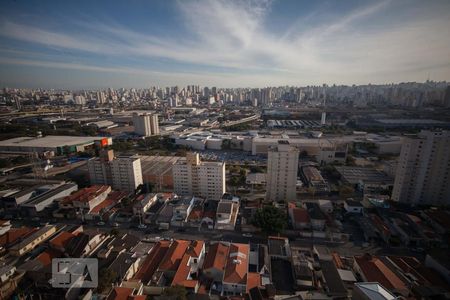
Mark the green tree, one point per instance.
(177, 292)
(270, 219)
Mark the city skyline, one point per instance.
(225, 44)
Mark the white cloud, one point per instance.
(231, 35)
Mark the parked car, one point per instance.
(101, 223)
(249, 235)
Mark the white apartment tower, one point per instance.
(422, 175)
(146, 124)
(123, 173)
(192, 177)
(282, 168)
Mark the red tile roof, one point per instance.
(196, 214)
(195, 248)
(62, 239)
(174, 255)
(105, 203)
(46, 257)
(237, 264)
(152, 261)
(253, 280)
(86, 194)
(300, 215)
(181, 276)
(14, 234)
(374, 270)
(216, 257)
(120, 293)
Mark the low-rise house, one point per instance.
(87, 198)
(125, 265)
(83, 244)
(375, 269)
(143, 204)
(61, 240)
(317, 217)
(334, 285)
(14, 235)
(314, 179)
(371, 291)
(181, 210)
(32, 241)
(299, 218)
(279, 247)
(215, 261)
(226, 215)
(126, 293)
(302, 262)
(187, 274)
(6, 272)
(5, 226)
(354, 207)
(98, 211)
(170, 263)
(236, 270)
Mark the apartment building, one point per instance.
(282, 168)
(123, 173)
(423, 171)
(193, 177)
(146, 124)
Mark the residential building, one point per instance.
(314, 179)
(145, 124)
(226, 215)
(236, 270)
(282, 168)
(423, 171)
(371, 291)
(193, 177)
(123, 173)
(32, 241)
(215, 261)
(143, 203)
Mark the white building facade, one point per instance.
(192, 177)
(282, 169)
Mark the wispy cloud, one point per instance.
(233, 41)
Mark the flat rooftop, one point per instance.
(48, 141)
(355, 175)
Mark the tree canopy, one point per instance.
(270, 219)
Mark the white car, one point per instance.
(101, 223)
(142, 226)
(249, 235)
(115, 224)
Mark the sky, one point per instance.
(224, 43)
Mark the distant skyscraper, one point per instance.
(422, 175)
(101, 97)
(146, 124)
(324, 118)
(282, 168)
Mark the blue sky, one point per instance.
(242, 43)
